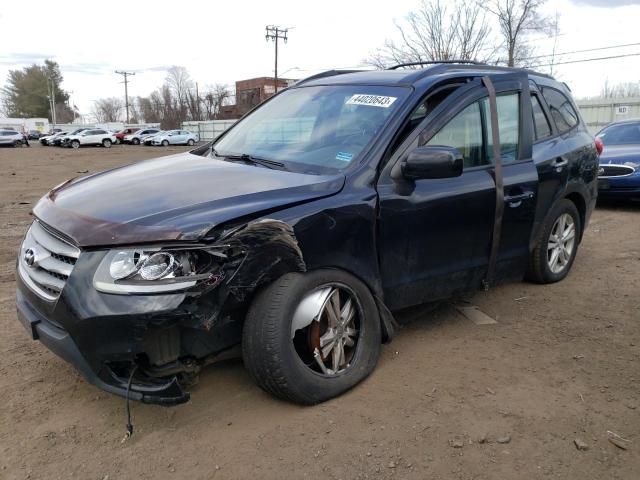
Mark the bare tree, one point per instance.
(108, 109)
(625, 89)
(179, 82)
(555, 29)
(437, 32)
(517, 19)
(214, 98)
(134, 110)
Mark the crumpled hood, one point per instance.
(619, 154)
(179, 197)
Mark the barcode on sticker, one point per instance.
(371, 100)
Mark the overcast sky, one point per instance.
(222, 41)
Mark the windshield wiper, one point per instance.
(251, 159)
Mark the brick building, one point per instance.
(252, 92)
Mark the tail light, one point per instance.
(599, 146)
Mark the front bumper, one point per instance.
(619, 187)
(105, 335)
(59, 341)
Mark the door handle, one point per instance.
(516, 200)
(559, 162)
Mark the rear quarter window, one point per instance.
(562, 112)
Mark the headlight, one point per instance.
(138, 271)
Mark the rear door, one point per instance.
(88, 137)
(567, 160)
(173, 137)
(435, 235)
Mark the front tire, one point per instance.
(135, 141)
(165, 143)
(75, 144)
(557, 244)
(310, 337)
(191, 143)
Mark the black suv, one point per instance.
(294, 236)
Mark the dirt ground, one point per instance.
(561, 363)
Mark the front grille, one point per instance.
(615, 170)
(46, 261)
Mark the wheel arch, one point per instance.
(272, 251)
(386, 318)
(581, 205)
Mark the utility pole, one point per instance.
(52, 101)
(198, 102)
(276, 33)
(126, 91)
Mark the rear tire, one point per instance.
(106, 143)
(282, 362)
(557, 244)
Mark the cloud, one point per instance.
(23, 58)
(20, 59)
(162, 68)
(88, 68)
(606, 3)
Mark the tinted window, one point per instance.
(464, 132)
(540, 121)
(508, 126)
(561, 109)
(620, 134)
(99, 132)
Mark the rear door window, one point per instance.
(562, 112)
(540, 120)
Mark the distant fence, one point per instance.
(599, 112)
(208, 130)
(107, 126)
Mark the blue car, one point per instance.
(619, 174)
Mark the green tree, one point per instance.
(27, 91)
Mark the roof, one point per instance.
(400, 77)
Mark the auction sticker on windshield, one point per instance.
(371, 100)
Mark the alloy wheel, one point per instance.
(326, 328)
(561, 243)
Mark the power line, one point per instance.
(126, 91)
(583, 51)
(585, 60)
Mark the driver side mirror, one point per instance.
(432, 162)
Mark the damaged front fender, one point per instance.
(256, 253)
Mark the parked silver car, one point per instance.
(11, 137)
(148, 140)
(175, 137)
(139, 136)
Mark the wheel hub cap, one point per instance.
(561, 243)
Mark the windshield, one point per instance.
(314, 129)
(622, 134)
